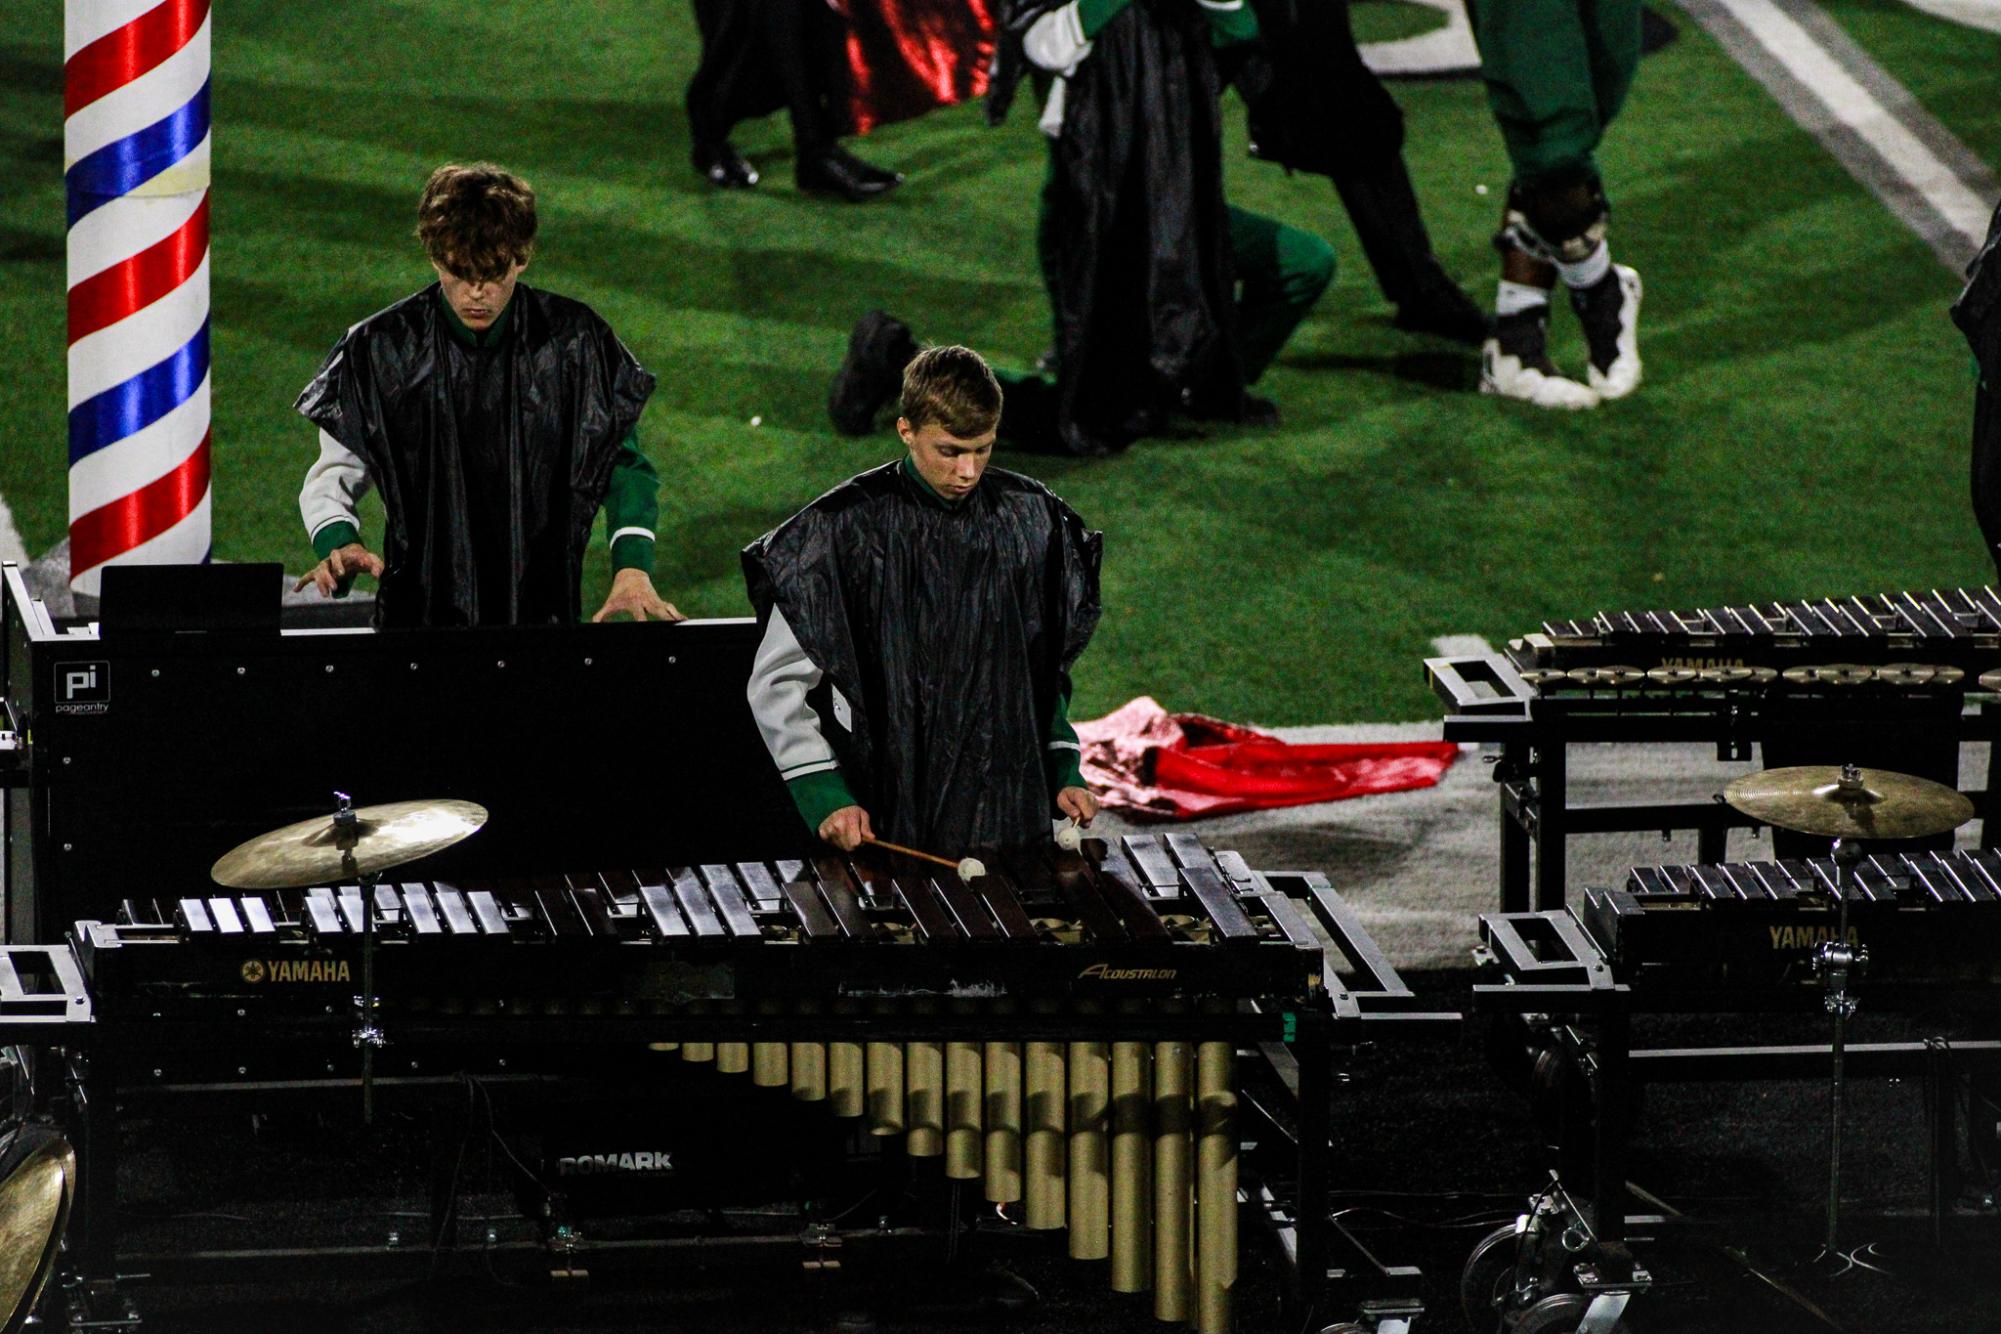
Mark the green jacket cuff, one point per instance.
(1065, 769)
(1093, 15)
(333, 537)
(632, 552)
(1228, 27)
(819, 795)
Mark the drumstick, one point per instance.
(967, 867)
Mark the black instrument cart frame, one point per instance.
(1488, 703)
(100, 1061)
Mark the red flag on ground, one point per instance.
(1177, 766)
(907, 57)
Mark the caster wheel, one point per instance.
(1560, 1314)
(1485, 1281)
(1552, 1315)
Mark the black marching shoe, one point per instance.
(879, 347)
(836, 171)
(723, 167)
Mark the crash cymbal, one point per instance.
(37, 1182)
(309, 852)
(1846, 802)
(1544, 678)
(1672, 676)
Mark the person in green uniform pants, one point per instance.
(1557, 73)
(496, 420)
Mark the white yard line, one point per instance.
(1867, 120)
(1460, 646)
(11, 546)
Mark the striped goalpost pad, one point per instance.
(136, 164)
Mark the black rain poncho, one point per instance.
(491, 462)
(1139, 261)
(950, 632)
(1978, 310)
(1978, 315)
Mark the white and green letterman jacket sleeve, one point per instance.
(781, 677)
(338, 480)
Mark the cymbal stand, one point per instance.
(1837, 961)
(367, 1006)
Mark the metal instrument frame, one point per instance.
(100, 1058)
(1489, 703)
(1547, 970)
(254, 728)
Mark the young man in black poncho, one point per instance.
(920, 622)
(496, 420)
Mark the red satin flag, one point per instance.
(907, 57)
(1146, 761)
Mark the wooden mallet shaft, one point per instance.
(967, 869)
(911, 852)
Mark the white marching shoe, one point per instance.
(1515, 363)
(1610, 313)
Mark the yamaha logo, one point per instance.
(256, 971)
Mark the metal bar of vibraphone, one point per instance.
(1612, 1095)
(1552, 785)
(1515, 841)
(1313, 1052)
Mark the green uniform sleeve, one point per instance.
(333, 537)
(632, 508)
(1230, 23)
(819, 795)
(1093, 15)
(1063, 761)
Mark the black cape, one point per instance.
(491, 463)
(1978, 315)
(1978, 310)
(949, 632)
(1138, 259)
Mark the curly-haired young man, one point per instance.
(496, 420)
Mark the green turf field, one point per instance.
(1803, 428)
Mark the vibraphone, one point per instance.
(1729, 937)
(1063, 1031)
(1887, 669)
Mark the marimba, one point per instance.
(1062, 1034)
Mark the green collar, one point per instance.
(925, 488)
(487, 337)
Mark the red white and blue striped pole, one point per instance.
(136, 149)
